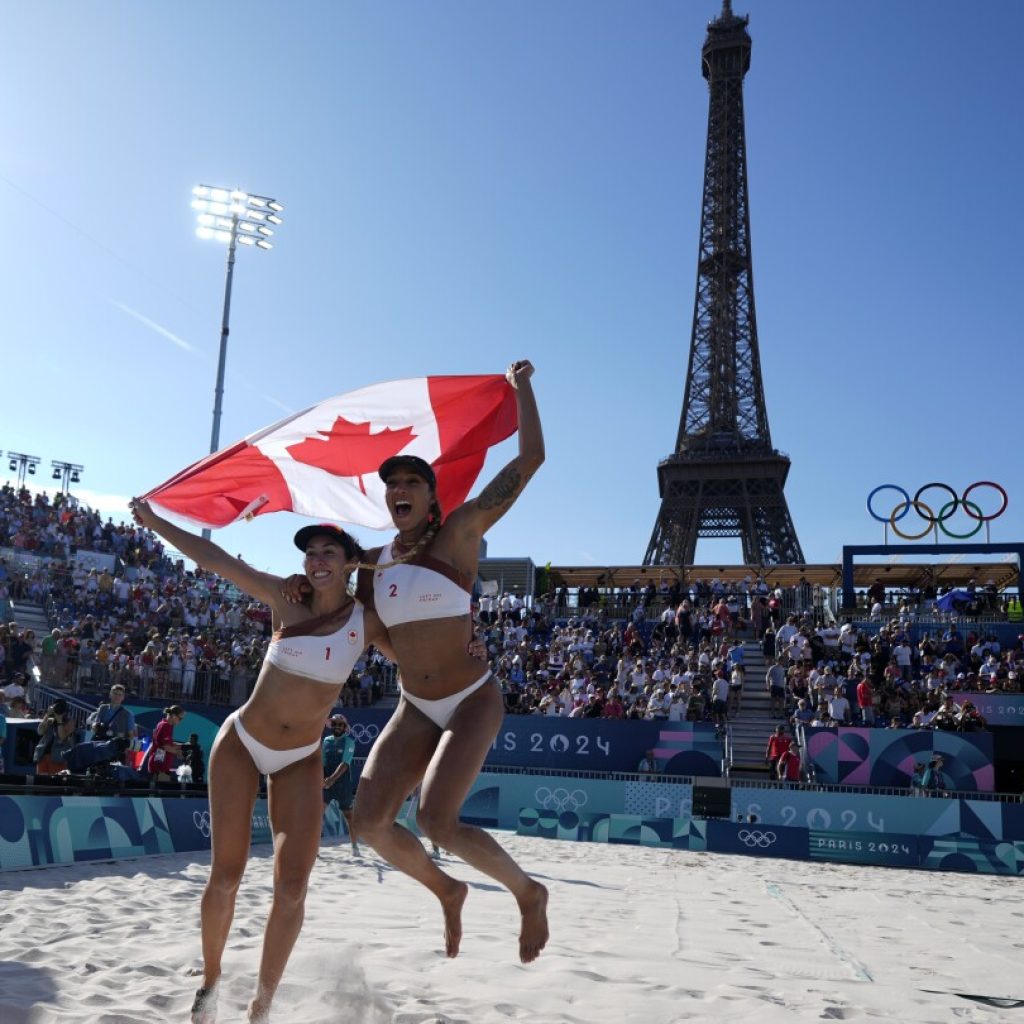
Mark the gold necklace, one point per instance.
(398, 546)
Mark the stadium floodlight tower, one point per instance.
(67, 473)
(238, 218)
(22, 464)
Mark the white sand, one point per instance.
(640, 935)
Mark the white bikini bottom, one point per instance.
(440, 712)
(266, 759)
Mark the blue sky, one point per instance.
(470, 183)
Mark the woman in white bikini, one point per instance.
(276, 733)
(449, 714)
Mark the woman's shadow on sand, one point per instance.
(23, 986)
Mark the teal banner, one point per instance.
(878, 815)
(42, 830)
(866, 848)
(496, 798)
(949, 834)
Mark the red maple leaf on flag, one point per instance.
(349, 449)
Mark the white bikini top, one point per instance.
(422, 588)
(325, 659)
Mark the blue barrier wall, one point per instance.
(947, 834)
(886, 757)
(496, 798)
(537, 741)
(884, 817)
(953, 834)
(44, 830)
(530, 741)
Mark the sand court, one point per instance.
(637, 934)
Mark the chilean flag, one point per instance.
(323, 462)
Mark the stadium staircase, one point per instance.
(30, 616)
(750, 729)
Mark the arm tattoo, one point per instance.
(501, 491)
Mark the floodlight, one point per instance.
(238, 218)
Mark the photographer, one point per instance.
(113, 730)
(113, 721)
(57, 737)
(971, 719)
(947, 718)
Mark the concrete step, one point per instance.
(752, 727)
(30, 616)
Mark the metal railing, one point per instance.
(824, 602)
(825, 787)
(198, 686)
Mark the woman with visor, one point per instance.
(276, 733)
(449, 713)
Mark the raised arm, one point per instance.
(483, 511)
(260, 585)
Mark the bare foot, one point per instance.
(204, 1006)
(534, 935)
(259, 1010)
(452, 907)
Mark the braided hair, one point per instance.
(434, 517)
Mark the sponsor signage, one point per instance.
(894, 850)
(998, 709)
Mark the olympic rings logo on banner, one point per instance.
(560, 799)
(364, 733)
(201, 820)
(925, 511)
(762, 840)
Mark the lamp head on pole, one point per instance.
(227, 215)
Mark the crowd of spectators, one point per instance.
(163, 631)
(685, 666)
(671, 652)
(687, 662)
(59, 528)
(841, 676)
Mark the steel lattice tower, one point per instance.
(725, 479)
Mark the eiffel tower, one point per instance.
(724, 479)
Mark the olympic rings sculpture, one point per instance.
(926, 513)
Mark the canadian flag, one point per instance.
(323, 462)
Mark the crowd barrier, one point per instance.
(497, 797)
(849, 756)
(528, 741)
(710, 836)
(37, 831)
(941, 833)
(886, 757)
(953, 833)
(525, 741)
